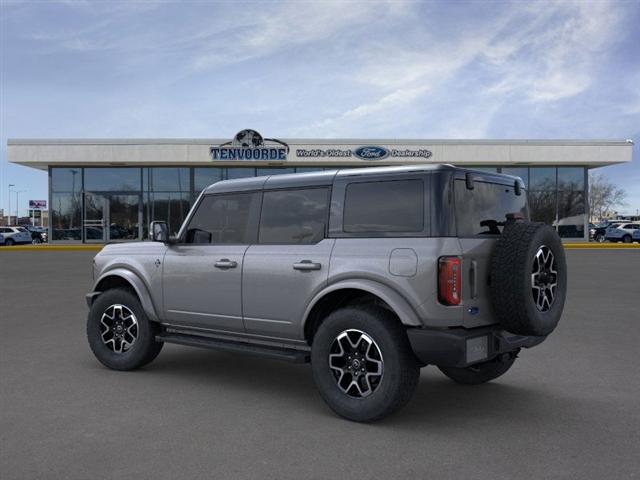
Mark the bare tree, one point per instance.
(604, 196)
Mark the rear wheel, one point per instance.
(626, 239)
(119, 332)
(481, 372)
(363, 364)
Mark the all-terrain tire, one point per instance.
(400, 369)
(479, 373)
(142, 350)
(524, 303)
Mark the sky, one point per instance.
(387, 69)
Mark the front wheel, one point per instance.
(9, 242)
(481, 372)
(120, 334)
(363, 364)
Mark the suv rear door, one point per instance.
(480, 214)
(290, 262)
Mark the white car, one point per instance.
(622, 233)
(1, 239)
(15, 235)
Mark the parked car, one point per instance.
(600, 231)
(369, 274)
(15, 235)
(622, 232)
(38, 234)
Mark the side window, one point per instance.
(387, 206)
(295, 216)
(224, 219)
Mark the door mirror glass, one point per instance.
(159, 232)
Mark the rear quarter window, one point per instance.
(393, 206)
(483, 210)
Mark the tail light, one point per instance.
(449, 281)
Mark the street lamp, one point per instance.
(18, 192)
(9, 212)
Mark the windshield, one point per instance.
(483, 210)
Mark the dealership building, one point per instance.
(109, 190)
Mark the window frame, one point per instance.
(325, 235)
(338, 200)
(254, 216)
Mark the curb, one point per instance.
(49, 248)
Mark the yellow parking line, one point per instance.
(600, 246)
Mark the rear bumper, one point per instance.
(460, 347)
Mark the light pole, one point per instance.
(18, 192)
(9, 211)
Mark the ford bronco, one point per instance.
(368, 274)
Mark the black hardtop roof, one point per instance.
(327, 177)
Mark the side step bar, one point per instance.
(286, 354)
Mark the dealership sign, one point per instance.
(366, 152)
(250, 145)
(38, 204)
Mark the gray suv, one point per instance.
(368, 274)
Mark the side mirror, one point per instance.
(159, 232)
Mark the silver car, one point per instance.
(368, 274)
(15, 236)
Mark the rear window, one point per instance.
(483, 210)
(389, 206)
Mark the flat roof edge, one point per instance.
(318, 141)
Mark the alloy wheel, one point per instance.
(118, 328)
(544, 278)
(356, 363)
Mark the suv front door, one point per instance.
(289, 264)
(202, 275)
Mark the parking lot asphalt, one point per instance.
(569, 408)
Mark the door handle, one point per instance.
(225, 263)
(307, 265)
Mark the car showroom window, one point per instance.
(387, 206)
(295, 216)
(223, 219)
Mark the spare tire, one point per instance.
(528, 282)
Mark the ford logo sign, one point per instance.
(371, 153)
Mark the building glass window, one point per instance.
(66, 216)
(112, 179)
(167, 179)
(542, 178)
(240, 173)
(66, 179)
(203, 177)
(273, 171)
(570, 178)
(542, 205)
(571, 202)
(170, 207)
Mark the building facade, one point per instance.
(109, 190)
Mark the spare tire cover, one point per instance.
(528, 281)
